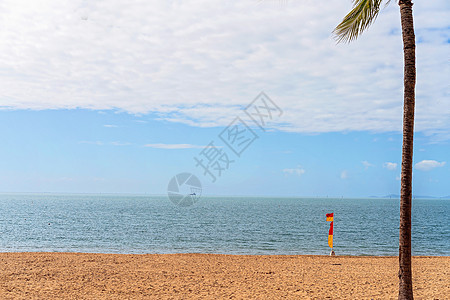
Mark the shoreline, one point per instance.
(77, 275)
(218, 254)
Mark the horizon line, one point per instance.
(217, 195)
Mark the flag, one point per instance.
(330, 236)
(330, 217)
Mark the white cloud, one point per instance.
(110, 126)
(298, 171)
(199, 61)
(344, 174)
(98, 143)
(427, 165)
(175, 146)
(390, 166)
(366, 164)
(120, 143)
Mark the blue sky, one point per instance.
(119, 96)
(109, 152)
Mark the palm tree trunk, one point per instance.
(409, 48)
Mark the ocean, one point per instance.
(227, 225)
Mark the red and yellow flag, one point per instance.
(330, 218)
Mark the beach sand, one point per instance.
(211, 276)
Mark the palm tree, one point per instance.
(364, 12)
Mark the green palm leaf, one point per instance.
(364, 12)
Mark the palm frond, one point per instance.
(364, 12)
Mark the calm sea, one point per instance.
(232, 225)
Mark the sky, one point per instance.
(120, 96)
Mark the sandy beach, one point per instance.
(211, 276)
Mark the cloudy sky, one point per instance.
(119, 96)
